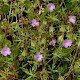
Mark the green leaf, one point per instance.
(7, 43)
(23, 53)
(33, 43)
(68, 5)
(62, 52)
(77, 67)
(27, 3)
(1, 38)
(51, 29)
(5, 9)
(60, 78)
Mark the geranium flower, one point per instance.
(67, 43)
(38, 57)
(5, 51)
(50, 7)
(34, 23)
(72, 19)
(53, 42)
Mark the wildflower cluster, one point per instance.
(34, 23)
(39, 37)
(66, 43)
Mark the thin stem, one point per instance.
(71, 67)
(10, 11)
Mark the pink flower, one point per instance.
(53, 42)
(5, 51)
(34, 23)
(38, 57)
(67, 43)
(72, 19)
(50, 7)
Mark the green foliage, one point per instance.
(5, 9)
(24, 40)
(77, 69)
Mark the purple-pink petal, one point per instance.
(50, 7)
(5, 51)
(53, 42)
(34, 23)
(38, 57)
(67, 43)
(72, 19)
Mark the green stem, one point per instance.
(72, 65)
